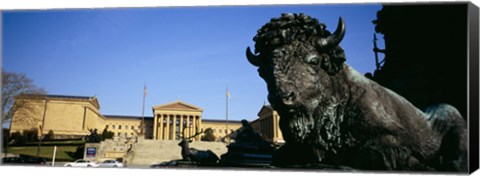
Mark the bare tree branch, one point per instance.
(15, 87)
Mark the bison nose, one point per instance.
(288, 98)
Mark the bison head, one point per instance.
(300, 60)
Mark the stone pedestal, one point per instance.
(248, 154)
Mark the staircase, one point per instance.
(109, 149)
(148, 152)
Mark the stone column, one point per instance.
(194, 123)
(168, 127)
(155, 121)
(180, 125)
(188, 125)
(270, 126)
(165, 132)
(160, 136)
(174, 125)
(270, 131)
(192, 129)
(199, 126)
(274, 127)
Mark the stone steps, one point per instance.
(148, 152)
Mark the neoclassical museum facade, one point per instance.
(74, 116)
(169, 120)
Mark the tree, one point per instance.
(30, 135)
(79, 152)
(49, 136)
(4, 136)
(17, 138)
(14, 85)
(209, 136)
(94, 137)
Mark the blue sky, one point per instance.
(186, 53)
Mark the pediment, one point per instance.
(178, 105)
(265, 109)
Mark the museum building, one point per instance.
(267, 124)
(66, 116)
(74, 116)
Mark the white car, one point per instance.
(110, 163)
(81, 163)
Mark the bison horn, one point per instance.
(335, 38)
(252, 58)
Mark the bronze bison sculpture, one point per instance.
(332, 115)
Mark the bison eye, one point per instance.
(312, 59)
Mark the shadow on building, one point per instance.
(425, 53)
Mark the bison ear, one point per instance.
(327, 65)
(333, 62)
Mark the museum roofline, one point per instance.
(91, 99)
(127, 117)
(218, 120)
(69, 96)
(151, 117)
(55, 96)
(175, 106)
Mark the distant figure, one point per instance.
(94, 137)
(249, 148)
(247, 134)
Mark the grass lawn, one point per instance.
(45, 151)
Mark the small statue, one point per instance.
(247, 134)
(192, 154)
(249, 149)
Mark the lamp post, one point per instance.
(7, 137)
(376, 50)
(142, 131)
(41, 128)
(226, 115)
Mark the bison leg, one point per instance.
(451, 127)
(387, 153)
